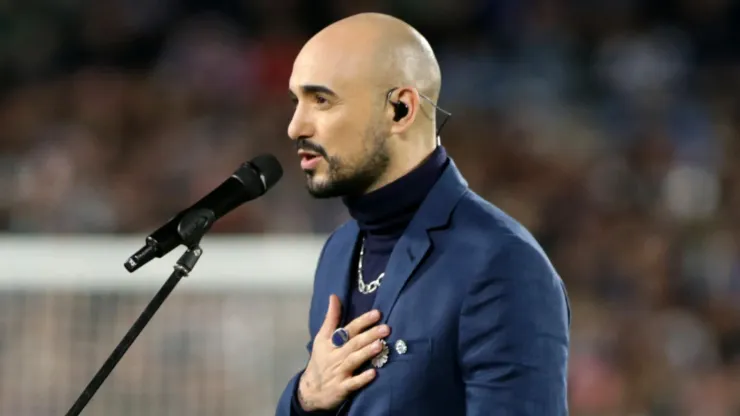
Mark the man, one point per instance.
(430, 301)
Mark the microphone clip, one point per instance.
(194, 225)
(191, 229)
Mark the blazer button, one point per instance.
(401, 347)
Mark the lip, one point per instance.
(309, 160)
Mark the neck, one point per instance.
(388, 210)
(419, 148)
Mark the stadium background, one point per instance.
(609, 128)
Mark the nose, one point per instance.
(300, 125)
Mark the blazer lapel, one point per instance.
(407, 255)
(414, 245)
(338, 275)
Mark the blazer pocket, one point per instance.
(408, 370)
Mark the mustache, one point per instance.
(303, 144)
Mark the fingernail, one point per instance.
(375, 314)
(384, 330)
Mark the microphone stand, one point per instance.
(191, 229)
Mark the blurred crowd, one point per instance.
(611, 129)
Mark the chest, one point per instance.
(422, 347)
(423, 312)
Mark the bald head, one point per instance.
(390, 51)
(341, 83)
(377, 50)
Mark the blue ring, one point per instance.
(339, 337)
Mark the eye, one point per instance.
(321, 100)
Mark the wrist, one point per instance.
(304, 387)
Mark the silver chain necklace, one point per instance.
(361, 285)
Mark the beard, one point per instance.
(346, 179)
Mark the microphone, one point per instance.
(250, 181)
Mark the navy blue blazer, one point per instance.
(482, 313)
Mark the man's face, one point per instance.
(339, 125)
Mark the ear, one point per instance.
(403, 107)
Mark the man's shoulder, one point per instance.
(499, 242)
(491, 236)
(344, 231)
(485, 221)
(344, 234)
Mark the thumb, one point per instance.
(333, 315)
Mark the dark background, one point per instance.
(610, 129)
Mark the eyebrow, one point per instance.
(315, 89)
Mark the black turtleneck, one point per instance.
(383, 216)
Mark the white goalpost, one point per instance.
(96, 263)
(225, 341)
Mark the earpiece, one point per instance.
(401, 109)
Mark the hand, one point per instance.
(328, 378)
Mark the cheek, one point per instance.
(341, 141)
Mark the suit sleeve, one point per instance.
(288, 404)
(514, 337)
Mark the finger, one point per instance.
(359, 381)
(365, 338)
(355, 359)
(363, 321)
(333, 315)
